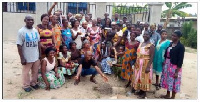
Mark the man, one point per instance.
(85, 69)
(154, 35)
(117, 20)
(28, 44)
(159, 28)
(90, 15)
(146, 27)
(103, 21)
(138, 23)
(124, 21)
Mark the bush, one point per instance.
(189, 37)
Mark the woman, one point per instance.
(57, 32)
(86, 47)
(142, 77)
(95, 38)
(129, 58)
(66, 33)
(171, 73)
(105, 58)
(76, 34)
(51, 76)
(75, 53)
(118, 38)
(47, 39)
(159, 56)
(110, 34)
(105, 28)
(64, 59)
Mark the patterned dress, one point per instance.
(65, 69)
(51, 78)
(129, 59)
(117, 35)
(95, 39)
(57, 32)
(45, 37)
(106, 63)
(67, 36)
(141, 80)
(159, 56)
(167, 80)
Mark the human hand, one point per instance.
(23, 61)
(57, 76)
(76, 77)
(176, 75)
(105, 78)
(147, 70)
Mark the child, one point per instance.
(64, 60)
(118, 65)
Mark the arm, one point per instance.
(49, 12)
(152, 48)
(74, 36)
(43, 72)
(39, 47)
(102, 75)
(53, 38)
(56, 70)
(79, 70)
(23, 61)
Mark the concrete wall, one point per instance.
(12, 22)
(155, 12)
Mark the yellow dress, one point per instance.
(57, 32)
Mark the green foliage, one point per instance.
(189, 37)
(128, 9)
(175, 8)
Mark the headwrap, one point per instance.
(178, 33)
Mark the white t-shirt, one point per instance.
(78, 39)
(120, 33)
(28, 39)
(129, 36)
(140, 38)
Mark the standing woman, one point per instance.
(66, 33)
(171, 73)
(57, 32)
(95, 38)
(76, 34)
(105, 28)
(47, 39)
(129, 58)
(142, 77)
(159, 56)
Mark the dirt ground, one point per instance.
(12, 82)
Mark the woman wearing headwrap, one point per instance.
(171, 73)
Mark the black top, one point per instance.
(176, 54)
(87, 65)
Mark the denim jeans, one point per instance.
(90, 71)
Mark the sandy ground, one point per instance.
(12, 82)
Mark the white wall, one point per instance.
(12, 22)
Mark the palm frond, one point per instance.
(179, 13)
(168, 4)
(182, 5)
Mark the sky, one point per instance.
(191, 10)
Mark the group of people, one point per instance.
(61, 47)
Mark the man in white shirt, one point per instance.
(28, 44)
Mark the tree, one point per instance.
(174, 9)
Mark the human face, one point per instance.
(74, 46)
(51, 54)
(65, 24)
(113, 26)
(124, 20)
(88, 56)
(133, 28)
(174, 37)
(106, 15)
(45, 20)
(164, 35)
(128, 26)
(103, 45)
(87, 45)
(87, 18)
(29, 22)
(76, 23)
(108, 21)
(99, 20)
(146, 36)
(64, 49)
(133, 36)
(146, 26)
(116, 15)
(94, 22)
(121, 49)
(84, 25)
(54, 20)
(152, 29)
(138, 31)
(79, 18)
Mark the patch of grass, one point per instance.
(23, 94)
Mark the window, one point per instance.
(19, 7)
